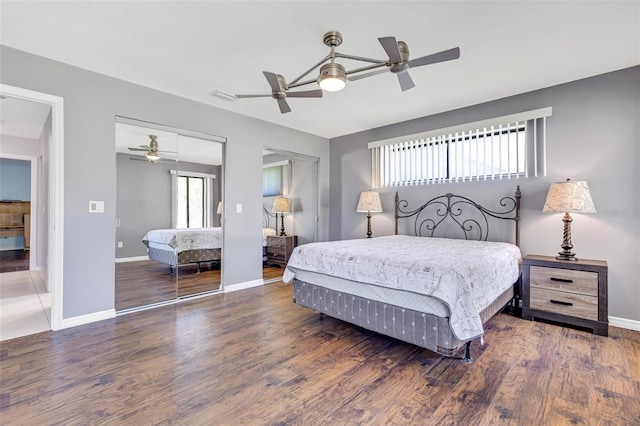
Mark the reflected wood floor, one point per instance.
(254, 357)
(146, 282)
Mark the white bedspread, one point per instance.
(186, 239)
(466, 275)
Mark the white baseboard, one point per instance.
(242, 286)
(624, 323)
(86, 319)
(131, 259)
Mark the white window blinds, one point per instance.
(500, 148)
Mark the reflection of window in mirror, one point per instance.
(272, 181)
(191, 202)
(194, 200)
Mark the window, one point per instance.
(191, 201)
(505, 147)
(272, 181)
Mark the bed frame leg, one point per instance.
(467, 353)
(321, 315)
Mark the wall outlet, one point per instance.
(120, 244)
(238, 208)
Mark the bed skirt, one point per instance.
(184, 257)
(421, 329)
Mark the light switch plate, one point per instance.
(96, 206)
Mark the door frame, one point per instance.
(55, 202)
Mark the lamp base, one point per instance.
(567, 256)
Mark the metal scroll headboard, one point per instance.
(469, 216)
(266, 219)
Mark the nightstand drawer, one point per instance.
(560, 302)
(277, 243)
(276, 254)
(566, 280)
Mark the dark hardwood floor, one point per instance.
(14, 260)
(254, 357)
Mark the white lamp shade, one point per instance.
(281, 205)
(219, 211)
(369, 202)
(569, 197)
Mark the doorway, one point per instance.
(31, 140)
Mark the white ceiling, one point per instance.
(22, 118)
(191, 48)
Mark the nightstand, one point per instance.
(567, 292)
(279, 249)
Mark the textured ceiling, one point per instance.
(191, 48)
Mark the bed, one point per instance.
(189, 246)
(433, 292)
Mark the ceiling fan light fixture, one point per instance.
(152, 156)
(332, 77)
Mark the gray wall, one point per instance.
(91, 103)
(593, 135)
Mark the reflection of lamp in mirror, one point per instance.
(369, 202)
(219, 211)
(281, 205)
(568, 197)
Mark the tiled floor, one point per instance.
(25, 305)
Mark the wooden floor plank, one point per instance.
(254, 357)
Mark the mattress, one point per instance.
(186, 239)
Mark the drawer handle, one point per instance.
(561, 280)
(559, 302)
(275, 253)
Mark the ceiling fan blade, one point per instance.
(405, 80)
(390, 45)
(284, 106)
(272, 78)
(445, 55)
(162, 160)
(305, 94)
(252, 96)
(138, 149)
(367, 74)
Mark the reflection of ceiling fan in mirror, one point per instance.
(152, 152)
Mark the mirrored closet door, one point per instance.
(290, 207)
(168, 230)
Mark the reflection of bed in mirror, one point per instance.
(184, 246)
(190, 246)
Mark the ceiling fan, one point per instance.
(399, 63)
(279, 92)
(152, 152)
(333, 75)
